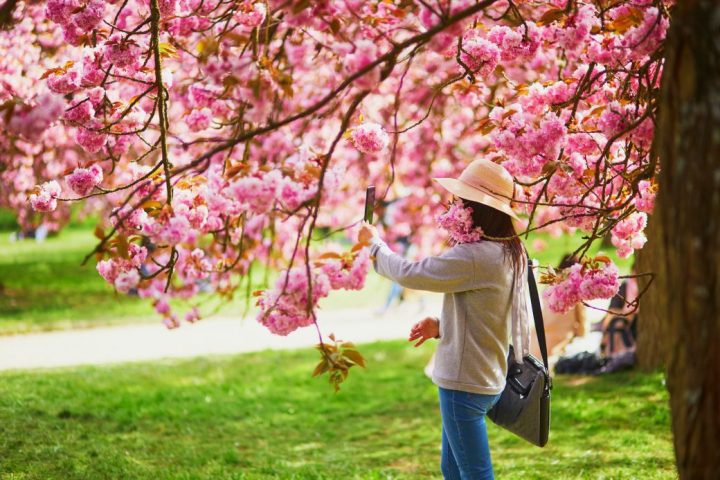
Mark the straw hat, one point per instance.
(485, 182)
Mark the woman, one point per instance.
(484, 305)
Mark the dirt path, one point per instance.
(207, 337)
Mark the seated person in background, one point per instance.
(619, 326)
(560, 328)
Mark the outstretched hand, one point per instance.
(367, 233)
(426, 328)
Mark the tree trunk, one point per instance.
(688, 142)
(652, 328)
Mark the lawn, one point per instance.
(261, 416)
(43, 286)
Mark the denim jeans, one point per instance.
(465, 449)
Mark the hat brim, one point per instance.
(463, 190)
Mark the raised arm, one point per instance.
(453, 271)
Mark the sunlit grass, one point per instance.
(261, 416)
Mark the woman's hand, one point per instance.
(428, 327)
(367, 233)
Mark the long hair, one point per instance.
(497, 224)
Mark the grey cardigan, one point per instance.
(477, 308)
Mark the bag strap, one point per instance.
(537, 313)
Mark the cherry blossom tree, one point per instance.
(215, 135)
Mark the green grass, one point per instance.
(261, 416)
(45, 287)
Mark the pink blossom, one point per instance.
(119, 144)
(137, 254)
(365, 52)
(480, 55)
(171, 322)
(614, 119)
(512, 42)
(645, 200)
(80, 112)
(167, 7)
(646, 37)
(564, 295)
(285, 308)
(176, 230)
(108, 270)
(132, 218)
(602, 283)
(91, 16)
(627, 235)
(83, 180)
(257, 192)
(121, 53)
(33, 121)
(198, 216)
(61, 11)
(348, 276)
(528, 147)
(46, 199)
(91, 141)
(92, 76)
(250, 14)
(193, 315)
(66, 82)
(202, 96)
(199, 119)
(127, 280)
(184, 26)
(369, 137)
(457, 220)
(162, 306)
(293, 194)
(580, 283)
(96, 95)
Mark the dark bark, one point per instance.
(652, 337)
(688, 142)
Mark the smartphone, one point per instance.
(369, 204)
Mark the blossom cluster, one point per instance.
(83, 180)
(458, 222)
(286, 308)
(580, 283)
(369, 137)
(627, 234)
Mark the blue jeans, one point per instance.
(465, 449)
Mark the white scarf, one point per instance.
(520, 329)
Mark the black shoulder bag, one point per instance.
(524, 406)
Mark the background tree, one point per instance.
(688, 143)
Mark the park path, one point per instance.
(208, 337)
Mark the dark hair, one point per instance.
(498, 225)
(568, 261)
